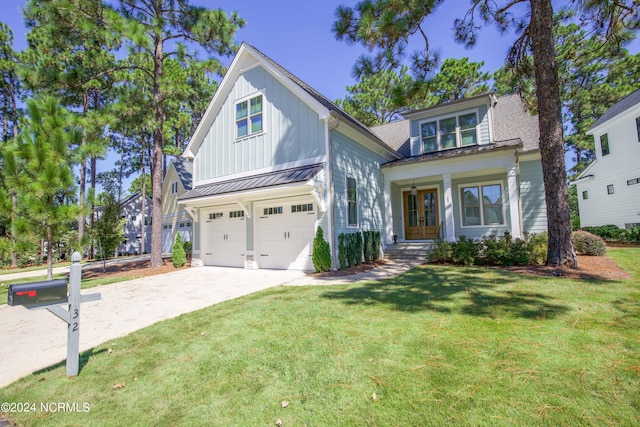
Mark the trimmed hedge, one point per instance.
(612, 233)
(179, 256)
(354, 248)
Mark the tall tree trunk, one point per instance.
(143, 227)
(83, 175)
(92, 220)
(156, 165)
(560, 252)
(49, 253)
(14, 209)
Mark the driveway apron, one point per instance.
(34, 339)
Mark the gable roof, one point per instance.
(396, 135)
(618, 108)
(324, 107)
(184, 170)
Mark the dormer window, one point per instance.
(249, 116)
(604, 144)
(449, 132)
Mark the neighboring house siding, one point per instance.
(619, 166)
(480, 231)
(534, 211)
(132, 227)
(292, 131)
(352, 159)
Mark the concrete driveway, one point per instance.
(35, 339)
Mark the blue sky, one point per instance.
(297, 35)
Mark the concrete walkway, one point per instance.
(34, 339)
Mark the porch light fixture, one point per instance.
(414, 190)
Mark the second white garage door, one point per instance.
(224, 238)
(284, 235)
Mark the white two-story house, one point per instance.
(609, 188)
(273, 160)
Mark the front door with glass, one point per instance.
(421, 219)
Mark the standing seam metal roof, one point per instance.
(271, 179)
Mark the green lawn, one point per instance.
(438, 345)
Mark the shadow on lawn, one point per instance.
(84, 359)
(459, 290)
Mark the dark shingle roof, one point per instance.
(619, 107)
(184, 169)
(270, 179)
(395, 135)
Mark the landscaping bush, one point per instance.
(465, 251)
(586, 243)
(188, 248)
(441, 252)
(537, 245)
(376, 245)
(608, 232)
(358, 248)
(321, 255)
(179, 256)
(342, 251)
(368, 245)
(631, 235)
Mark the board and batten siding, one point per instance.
(483, 126)
(351, 159)
(292, 131)
(534, 208)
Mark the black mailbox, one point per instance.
(37, 294)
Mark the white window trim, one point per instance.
(346, 190)
(479, 185)
(602, 155)
(235, 121)
(458, 132)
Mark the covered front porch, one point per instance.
(433, 198)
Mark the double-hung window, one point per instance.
(604, 144)
(449, 132)
(249, 116)
(352, 202)
(481, 205)
(174, 187)
(638, 127)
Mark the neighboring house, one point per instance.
(609, 188)
(131, 210)
(175, 219)
(273, 159)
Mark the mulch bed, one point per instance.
(589, 267)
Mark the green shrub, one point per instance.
(631, 235)
(179, 256)
(376, 245)
(368, 245)
(358, 248)
(586, 243)
(537, 245)
(342, 251)
(441, 252)
(608, 232)
(497, 250)
(188, 248)
(465, 251)
(321, 255)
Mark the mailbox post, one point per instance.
(49, 295)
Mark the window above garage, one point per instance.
(249, 116)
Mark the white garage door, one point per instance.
(224, 237)
(167, 238)
(284, 235)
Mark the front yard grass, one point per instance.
(438, 345)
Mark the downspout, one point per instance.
(517, 156)
(332, 220)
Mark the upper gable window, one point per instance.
(174, 187)
(449, 132)
(604, 144)
(249, 116)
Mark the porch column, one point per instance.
(514, 201)
(388, 213)
(449, 224)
